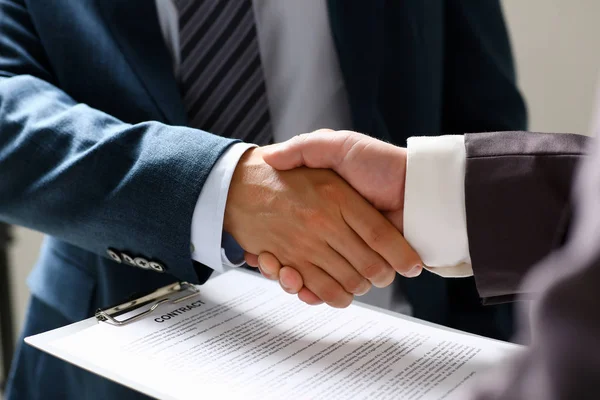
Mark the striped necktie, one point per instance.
(220, 72)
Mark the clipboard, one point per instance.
(118, 316)
(174, 293)
(102, 344)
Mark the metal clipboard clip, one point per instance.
(165, 295)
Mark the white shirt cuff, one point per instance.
(435, 218)
(207, 221)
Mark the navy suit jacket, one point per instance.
(94, 150)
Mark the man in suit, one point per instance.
(508, 218)
(95, 97)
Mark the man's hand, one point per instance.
(314, 222)
(376, 169)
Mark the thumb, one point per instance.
(396, 217)
(319, 149)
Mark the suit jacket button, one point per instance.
(114, 255)
(127, 259)
(158, 267)
(141, 262)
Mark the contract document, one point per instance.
(242, 337)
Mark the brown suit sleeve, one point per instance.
(517, 192)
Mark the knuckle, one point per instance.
(301, 138)
(319, 219)
(378, 234)
(373, 270)
(323, 130)
(331, 191)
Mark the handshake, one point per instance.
(323, 214)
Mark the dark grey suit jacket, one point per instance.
(533, 220)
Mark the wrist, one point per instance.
(395, 213)
(246, 172)
(207, 220)
(401, 155)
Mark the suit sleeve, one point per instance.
(480, 90)
(517, 199)
(563, 359)
(85, 177)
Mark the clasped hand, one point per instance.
(323, 237)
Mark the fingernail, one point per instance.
(264, 273)
(364, 289)
(285, 288)
(415, 271)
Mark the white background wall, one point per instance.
(557, 49)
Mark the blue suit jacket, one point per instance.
(94, 150)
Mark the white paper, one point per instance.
(243, 337)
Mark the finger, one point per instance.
(269, 265)
(342, 271)
(290, 280)
(397, 219)
(309, 297)
(251, 259)
(381, 236)
(319, 149)
(266, 275)
(363, 259)
(324, 286)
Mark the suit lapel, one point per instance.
(357, 30)
(135, 27)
